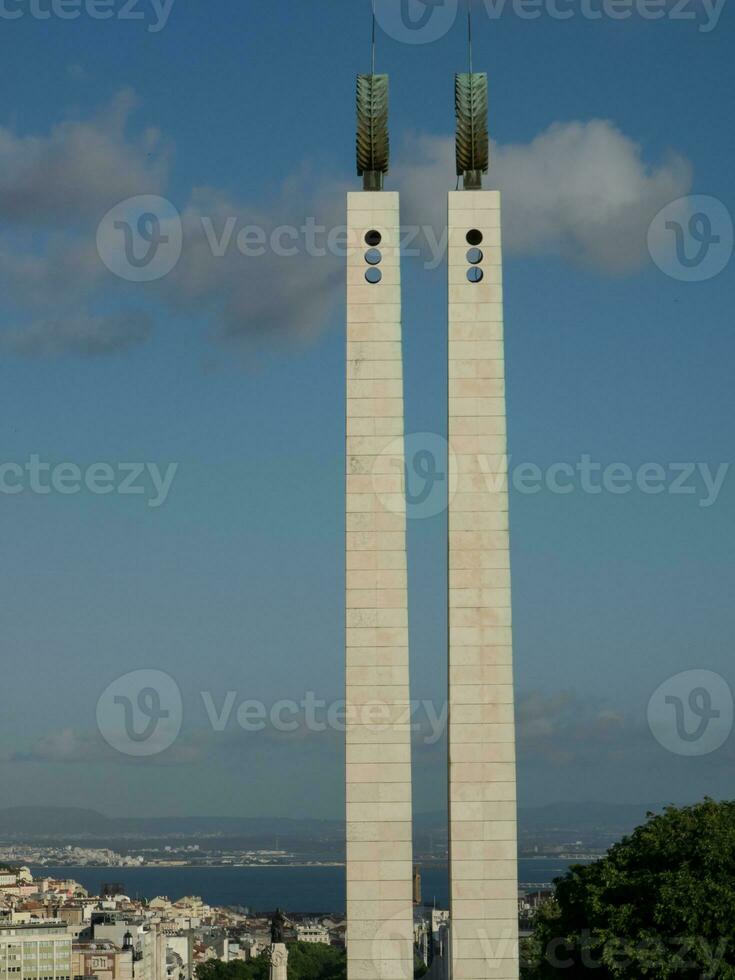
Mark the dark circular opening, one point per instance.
(373, 256)
(373, 238)
(475, 256)
(373, 276)
(474, 237)
(475, 274)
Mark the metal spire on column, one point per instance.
(471, 107)
(373, 139)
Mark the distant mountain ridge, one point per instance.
(36, 821)
(587, 816)
(46, 821)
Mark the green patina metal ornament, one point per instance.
(473, 142)
(373, 140)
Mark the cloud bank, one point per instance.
(71, 174)
(582, 191)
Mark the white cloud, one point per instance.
(256, 299)
(580, 190)
(72, 747)
(55, 188)
(40, 272)
(79, 170)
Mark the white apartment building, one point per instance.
(312, 932)
(39, 950)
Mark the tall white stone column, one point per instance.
(482, 774)
(379, 827)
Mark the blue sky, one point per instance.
(233, 368)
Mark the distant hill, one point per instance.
(621, 817)
(30, 822)
(42, 820)
(60, 821)
(554, 815)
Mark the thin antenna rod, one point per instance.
(469, 31)
(373, 47)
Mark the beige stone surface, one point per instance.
(378, 763)
(482, 774)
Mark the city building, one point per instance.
(143, 936)
(103, 960)
(312, 932)
(37, 950)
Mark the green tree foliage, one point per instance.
(256, 969)
(316, 961)
(661, 903)
(306, 961)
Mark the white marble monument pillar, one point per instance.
(482, 775)
(379, 828)
(278, 960)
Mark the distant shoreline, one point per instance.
(566, 858)
(182, 867)
(302, 887)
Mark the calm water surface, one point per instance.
(296, 889)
